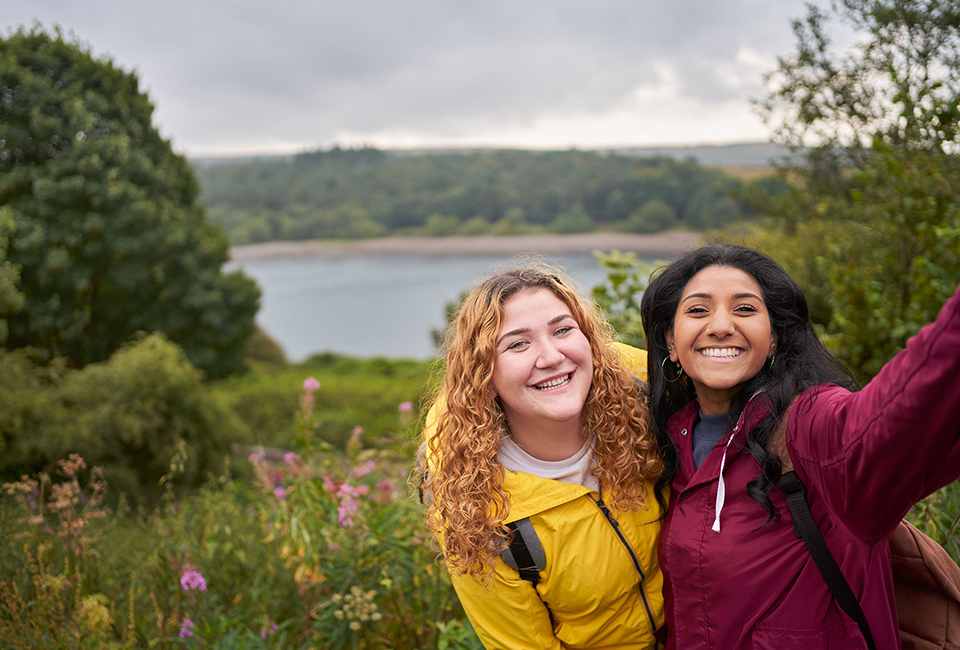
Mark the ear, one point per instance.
(773, 346)
(671, 346)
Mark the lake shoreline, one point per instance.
(667, 244)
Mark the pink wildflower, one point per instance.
(405, 407)
(310, 384)
(357, 431)
(346, 510)
(186, 627)
(333, 546)
(254, 458)
(385, 489)
(279, 492)
(192, 579)
(265, 632)
(362, 469)
(291, 459)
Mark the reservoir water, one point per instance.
(374, 306)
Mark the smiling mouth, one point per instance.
(721, 353)
(554, 383)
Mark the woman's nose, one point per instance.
(721, 324)
(550, 355)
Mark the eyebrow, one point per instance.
(524, 330)
(739, 296)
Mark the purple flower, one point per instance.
(192, 579)
(254, 458)
(310, 384)
(362, 469)
(186, 627)
(265, 632)
(345, 511)
(291, 459)
(279, 492)
(405, 407)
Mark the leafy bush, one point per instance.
(128, 415)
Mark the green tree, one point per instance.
(873, 218)
(109, 233)
(11, 300)
(653, 216)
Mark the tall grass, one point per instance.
(324, 548)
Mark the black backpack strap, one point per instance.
(806, 529)
(525, 553)
(421, 470)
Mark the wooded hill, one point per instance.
(354, 193)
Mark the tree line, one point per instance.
(366, 192)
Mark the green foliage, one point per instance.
(324, 549)
(263, 348)
(121, 588)
(356, 193)
(653, 216)
(897, 84)
(939, 517)
(129, 415)
(357, 547)
(356, 392)
(11, 300)
(618, 296)
(871, 227)
(110, 237)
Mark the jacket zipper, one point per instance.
(633, 556)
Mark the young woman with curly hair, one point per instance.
(539, 419)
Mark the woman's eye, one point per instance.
(696, 311)
(563, 330)
(516, 345)
(746, 308)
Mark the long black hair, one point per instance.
(801, 360)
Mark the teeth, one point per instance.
(722, 353)
(547, 385)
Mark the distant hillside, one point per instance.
(361, 193)
(745, 154)
(754, 154)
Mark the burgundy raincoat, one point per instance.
(865, 458)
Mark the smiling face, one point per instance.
(721, 334)
(542, 373)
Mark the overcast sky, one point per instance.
(252, 76)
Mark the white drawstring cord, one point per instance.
(721, 488)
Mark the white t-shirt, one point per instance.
(577, 469)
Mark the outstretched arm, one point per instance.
(874, 453)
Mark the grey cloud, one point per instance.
(301, 71)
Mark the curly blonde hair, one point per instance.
(467, 502)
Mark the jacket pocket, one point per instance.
(824, 637)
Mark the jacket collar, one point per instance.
(680, 427)
(530, 494)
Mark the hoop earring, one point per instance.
(773, 358)
(664, 372)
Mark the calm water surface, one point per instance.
(373, 306)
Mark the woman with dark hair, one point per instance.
(539, 420)
(741, 391)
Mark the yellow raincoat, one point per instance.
(601, 587)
